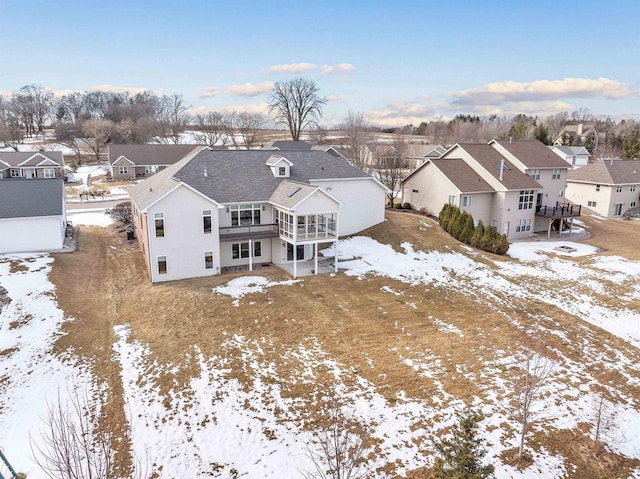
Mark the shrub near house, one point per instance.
(460, 225)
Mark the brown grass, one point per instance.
(352, 320)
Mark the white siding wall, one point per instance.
(552, 189)
(363, 200)
(226, 252)
(18, 235)
(433, 190)
(605, 199)
(184, 243)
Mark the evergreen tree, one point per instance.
(456, 228)
(460, 456)
(447, 211)
(502, 245)
(477, 235)
(468, 230)
(542, 134)
(487, 238)
(455, 214)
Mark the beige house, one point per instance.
(608, 187)
(128, 162)
(517, 187)
(39, 164)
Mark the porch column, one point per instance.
(570, 226)
(335, 262)
(549, 229)
(316, 259)
(250, 255)
(335, 258)
(295, 260)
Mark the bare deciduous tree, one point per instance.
(173, 118)
(98, 133)
(76, 444)
(530, 374)
(339, 451)
(360, 140)
(122, 212)
(297, 104)
(211, 129)
(391, 165)
(243, 126)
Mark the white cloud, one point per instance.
(335, 97)
(540, 90)
(117, 89)
(400, 113)
(249, 89)
(210, 92)
(293, 67)
(341, 67)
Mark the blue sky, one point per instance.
(399, 62)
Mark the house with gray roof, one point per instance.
(32, 215)
(218, 210)
(608, 187)
(130, 162)
(31, 164)
(517, 187)
(576, 156)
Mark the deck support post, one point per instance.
(250, 255)
(549, 229)
(295, 261)
(315, 255)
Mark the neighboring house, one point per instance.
(128, 162)
(608, 187)
(32, 215)
(38, 164)
(574, 155)
(517, 187)
(581, 133)
(417, 154)
(222, 209)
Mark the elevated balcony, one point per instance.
(246, 232)
(560, 210)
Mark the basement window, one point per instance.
(162, 265)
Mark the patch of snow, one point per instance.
(95, 217)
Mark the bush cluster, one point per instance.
(460, 225)
(402, 206)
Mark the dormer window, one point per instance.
(280, 166)
(282, 171)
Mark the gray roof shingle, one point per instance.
(20, 198)
(150, 154)
(290, 145)
(462, 176)
(13, 158)
(532, 153)
(608, 172)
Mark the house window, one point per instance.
(162, 265)
(535, 174)
(208, 260)
(241, 250)
(523, 225)
(257, 248)
(150, 169)
(617, 209)
(49, 173)
(591, 203)
(414, 191)
(597, 187)
(555, 175)
(494, 224)
(632, 188)
(453, 200)
(159, 220)
(123, 170)
(526, 200)
(632, 204)
(619, 189)
(245, 215)
(15, 173)
(282, 171)
(206, 221)
(465, 200)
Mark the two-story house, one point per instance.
(574, 155)
(608, 187)
(517, 187)
(38, 164)
(218, 209)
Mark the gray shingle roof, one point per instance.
(21, 198)
(608, 172)
(151, 154)
(290, 145)
(462, 176)
(13, 159)
(532, 153)
(572, 150)
(489, 158)
(243, 176)
(290, 193)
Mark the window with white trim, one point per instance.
(632, 188)
(206, 221)
(15, 173)
(453, 200)
(535, 174)
(150, 169)
(555, 174)
(245, 215)
(241, 250)
(159, 224)
(525, 201)
(619, 189)
(591, 203)
(632, 204)
(123, 170)
(162, 265)
(523, 225)
(208, 260)
(465, 200)
(282, 171)
(49, 173)
(597, 187)
(617, 209)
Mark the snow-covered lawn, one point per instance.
(90, 217)
(218, 424)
